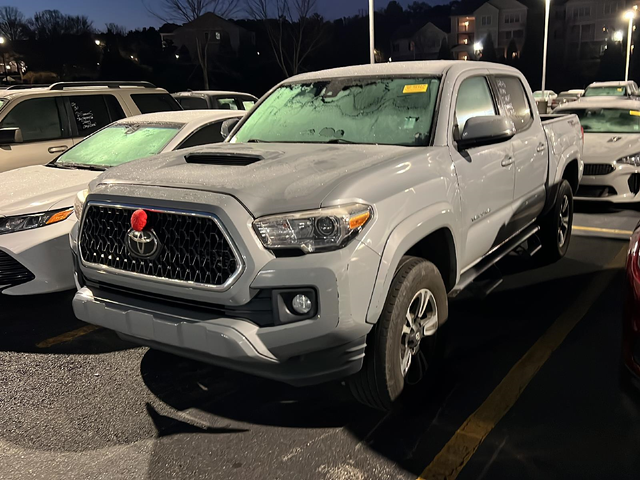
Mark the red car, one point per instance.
(631, 326)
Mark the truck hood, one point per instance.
(608, 147)
(282, 177)
(39, 188)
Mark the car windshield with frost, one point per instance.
(383, 111)
(118, 144)
(607, 120)
(605, 92)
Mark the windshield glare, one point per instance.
(120, 144)
(605, 92)
(607, 120)
(386, 111)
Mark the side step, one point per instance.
(497, 254)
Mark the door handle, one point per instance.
(507, 161)
(541, 147)
(59, 149)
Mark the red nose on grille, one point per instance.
(139, 220)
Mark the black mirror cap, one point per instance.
(10, 135)
(486, 130)
(228, 126)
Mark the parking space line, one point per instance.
(67, 337)
(450, 461)
(603, 230)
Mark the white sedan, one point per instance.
(36, 203)
(611, 148)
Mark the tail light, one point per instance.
(582, 133)
(633, 261)
(631, 323)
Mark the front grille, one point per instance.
(594, 191)
(12, 272)
(598, 169)
(192, 247)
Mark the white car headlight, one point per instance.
(78, 204)
(28, 222)
(320, 230)
(633, 160)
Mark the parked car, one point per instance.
(631, 321)
(216, 100)
(38, 124)
(344, 209)
(564, 97)
(37, 201)
(547, 96)
(611, 149)
(612, 89)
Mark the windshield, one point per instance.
(119, 144)
(607, 120)
(605, 92)
(386, 111)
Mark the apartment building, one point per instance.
(504, 20)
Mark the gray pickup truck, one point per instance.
(322, 241)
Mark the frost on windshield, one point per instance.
(608, 120)
(392, 111)
(119, 144)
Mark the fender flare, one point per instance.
(404, 236)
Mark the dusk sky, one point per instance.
(132, 13)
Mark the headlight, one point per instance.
(314, 231)
(78, 204)
(36, 220)
(633, 160)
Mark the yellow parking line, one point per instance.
(460, 448)
(603, 230)
(67, 337)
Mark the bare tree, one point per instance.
(116, 29)
(12, 23)
(49, 24)
(186, 11)
(294, 31)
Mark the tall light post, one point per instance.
(4, 62)
(372, 43)
(629, 15)
(547, 7)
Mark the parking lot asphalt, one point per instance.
(78, 403)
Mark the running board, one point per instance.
(469, 275)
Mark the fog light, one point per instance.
(301, 304)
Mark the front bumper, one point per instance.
(195, 323)
(620, 186)
(45, 253)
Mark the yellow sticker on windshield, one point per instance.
(415, 88)
(619, 89)
(635, 113)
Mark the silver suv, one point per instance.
(38, 124)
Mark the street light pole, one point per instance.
(630, 15)
(546, 41)
(372, 43)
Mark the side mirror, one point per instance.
(10, 135)
(228, 126)
(487, 130)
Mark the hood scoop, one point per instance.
(228, 160)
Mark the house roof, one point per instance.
(507, 4)
(206, 19)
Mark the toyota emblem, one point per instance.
(142, 244)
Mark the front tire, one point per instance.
(556, 226)
(415, 308)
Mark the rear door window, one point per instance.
(93, 112)
(155, 102)
(227, 103)
(38, 119)
(514, 101)
(247, 103)
(193, 103)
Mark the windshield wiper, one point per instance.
(257, 140)
(339, 140)
(78, 166)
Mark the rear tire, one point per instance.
(555, 234)
(415, 307)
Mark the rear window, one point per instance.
(227, 104)
(155, 102)
(605, 92)
(607, 120)
(247, 104)
(193, 103)
(120, 144)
